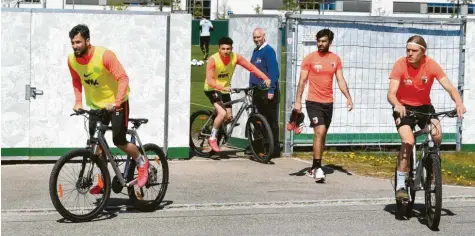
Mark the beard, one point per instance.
(80, 53)
(323, 49)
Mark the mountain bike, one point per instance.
(258, 131)
(92, 167)
(424, 172)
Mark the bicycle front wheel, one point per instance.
(259, 135)
(433, 191)
(72, 179)
(149, 197)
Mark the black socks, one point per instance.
(317, 163)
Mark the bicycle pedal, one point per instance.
(132, 183)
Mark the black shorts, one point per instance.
(421, 121)
(119, 122)
(216, 96)
(319, 113)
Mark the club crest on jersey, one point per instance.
(258, 60)
(315, 120)
(333, 64)
(317, 67)
(424, 79)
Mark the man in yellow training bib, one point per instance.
(106, 85)
(219, 72)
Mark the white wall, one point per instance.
(240, 30)
(468, 131)
(35, 46)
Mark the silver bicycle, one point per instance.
(83, 167)
(424, 172)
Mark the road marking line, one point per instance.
(253, 205)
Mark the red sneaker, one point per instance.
(99, 186)
(213, 143)
(142, 177)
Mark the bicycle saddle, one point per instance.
(138, 120)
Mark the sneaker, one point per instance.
(99, 186)
(311, 172)
(142, 177)
(299, 123)
(213, 143)
(402, 195)
(292, 120)
(319, 174)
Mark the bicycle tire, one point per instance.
(152, 205)
(196, 150)
(433, 161)
(53, 187)
(262, 157)
(401, 210)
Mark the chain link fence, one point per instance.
(368, 48)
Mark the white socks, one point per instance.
(140, 161)
(401, 180)
(214, 131)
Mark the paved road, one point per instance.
(236, 197)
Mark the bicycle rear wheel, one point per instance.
(83, 165)
(201, 124)
(433, 190)
(259, 135)
(149, 197)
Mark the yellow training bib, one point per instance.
(100, 86)
(222, 73)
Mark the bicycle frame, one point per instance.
(99, 138)
(427, 147)
(247, 104)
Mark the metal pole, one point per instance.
(461, 83)
(289, 82)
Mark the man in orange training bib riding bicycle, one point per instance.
(106, 85)
(219, 72)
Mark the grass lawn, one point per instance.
(457, 168)
(198, 98)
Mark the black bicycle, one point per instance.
(258, 131)
(424, 172)
(81, 168)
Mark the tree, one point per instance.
(118, 5)
(458, 3)
(290, 5)
(223, 10)
(176, 5)
(258, 9)
(198, 10)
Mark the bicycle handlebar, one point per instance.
(451, 113)
(90, 112)
(256, 87)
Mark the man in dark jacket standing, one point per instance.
(267, 102)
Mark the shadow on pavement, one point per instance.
(115, 206)
(418, 212)
(328, 169)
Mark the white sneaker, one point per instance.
(319, 174)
